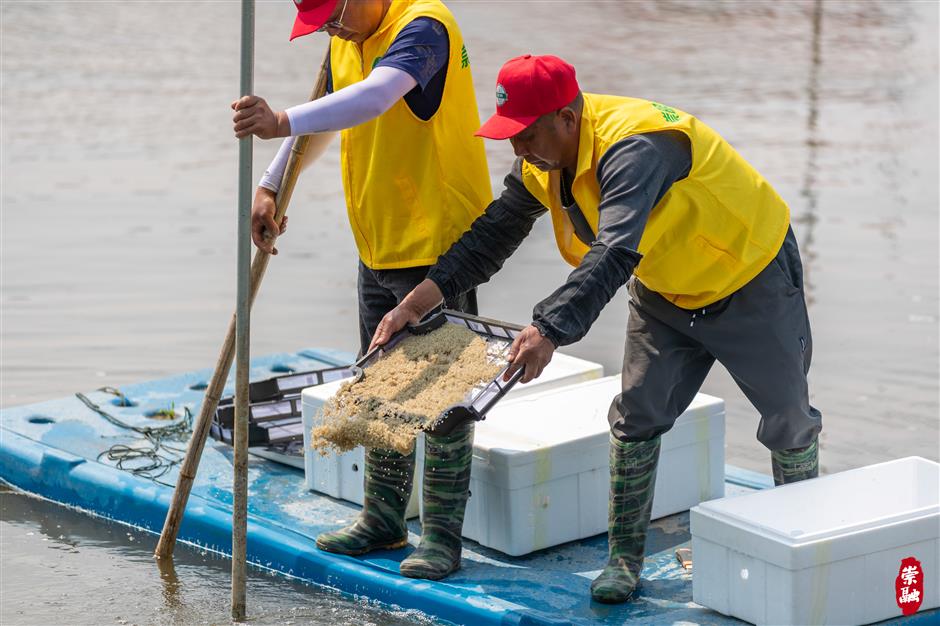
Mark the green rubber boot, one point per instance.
(446, 487)
(632, 480)
(381, 523)
(796, 464)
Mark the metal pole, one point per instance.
(187, 473)
(242, 325)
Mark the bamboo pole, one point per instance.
(242, 331)
(187, 475)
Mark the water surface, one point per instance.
(118, 205)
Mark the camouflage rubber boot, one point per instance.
(796, 464)
(446, 487)
(381, 523)
(632, 480)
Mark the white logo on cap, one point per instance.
(501, 96)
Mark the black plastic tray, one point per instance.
(274, 410)
(278, 387)
(483, 397)
(268, 422)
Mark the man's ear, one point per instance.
(570, 118)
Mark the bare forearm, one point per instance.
(423, 298)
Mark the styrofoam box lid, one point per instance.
(564, 431)
(316, 396)
(562, 366)
(859, 511)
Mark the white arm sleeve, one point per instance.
(345, 108)
(352, 105)
(275, 172)
(316, 146)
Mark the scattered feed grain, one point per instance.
(406, 390)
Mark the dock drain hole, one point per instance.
(40, 419)
(123, 401)
(200, 386)
(162, 414)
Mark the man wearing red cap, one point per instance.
(402, 94)
(637, 188)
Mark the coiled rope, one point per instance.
(151, 462)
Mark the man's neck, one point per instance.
(571, 162)
(386, 4)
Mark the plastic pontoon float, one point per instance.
(54, 449)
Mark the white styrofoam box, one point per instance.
(821, 551)
(340, 475)
(563, 370)
(541, 466)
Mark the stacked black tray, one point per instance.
(274, 411)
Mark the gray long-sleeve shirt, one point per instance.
(634, 175)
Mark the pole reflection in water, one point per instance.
(809, 217)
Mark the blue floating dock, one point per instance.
(52, 449)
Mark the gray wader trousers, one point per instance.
(760, 333)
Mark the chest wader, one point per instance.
(632, 480)
(796, 464)
(446, 488)
(388, 478)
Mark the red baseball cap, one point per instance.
(527, 88)
(311, 15)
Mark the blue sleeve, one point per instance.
(421, 49)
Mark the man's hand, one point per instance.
(412, 308)
(263, 228)
(253, 116)
(394, 321)
(529, 350)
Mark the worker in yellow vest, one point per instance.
(401, 92)
(637, 188)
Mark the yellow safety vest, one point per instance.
(412, 186)
(709, 235)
